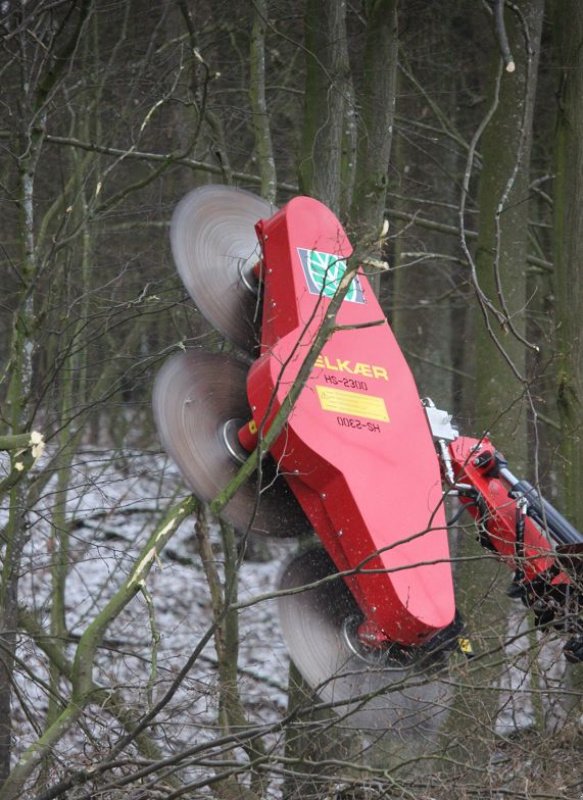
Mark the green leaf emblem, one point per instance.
(324, 271)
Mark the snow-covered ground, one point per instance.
(114, 502)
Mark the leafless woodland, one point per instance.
(140, 655)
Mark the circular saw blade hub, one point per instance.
(199, 402)
(215, 250)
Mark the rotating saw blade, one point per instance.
(370, 689)
(199, 403)
(215, 248)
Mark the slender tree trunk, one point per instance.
(21, 371)
(223, 591)
(327, 103)
(376, 101)
(421, 288)
(36, 89)
(568, 232)
(263, 143)
(498, 404)
(326, 100)
(503, 238)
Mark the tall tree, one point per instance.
(376, 112)
(568, 233)
(39, 79)
(426, 290)
(501, 252)
(261, 127)
(326, 97)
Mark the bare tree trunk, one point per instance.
(376, 101)
(425, 264)
(503, 237)
(568, 233)
(28, 145)
(263, 144)
(223, 591)
(502, 395)
(327, 76)
(21, 372)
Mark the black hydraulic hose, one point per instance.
(543, 513)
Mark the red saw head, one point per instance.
(356, 448)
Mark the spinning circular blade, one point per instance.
(371, 690)
(199, 403)
(215, 248)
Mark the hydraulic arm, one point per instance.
(514, 521)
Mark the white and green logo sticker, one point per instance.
(323, 273)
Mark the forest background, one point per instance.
(458, 121)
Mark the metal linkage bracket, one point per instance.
(439, 422)
(443, 432)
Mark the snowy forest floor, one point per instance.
(114, 502)
(113, 505)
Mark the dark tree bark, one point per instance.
(503, 238)
(425, 286)
(261, 127)
(326, 99)
(568, 231)
(376, 102)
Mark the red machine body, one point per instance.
(364, 457)
(356, 450)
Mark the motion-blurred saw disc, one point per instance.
(215, 248)
(199, 403)
(370, 690)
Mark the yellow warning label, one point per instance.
(360, 405)
(465, 646)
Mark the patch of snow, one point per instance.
(113, 504)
